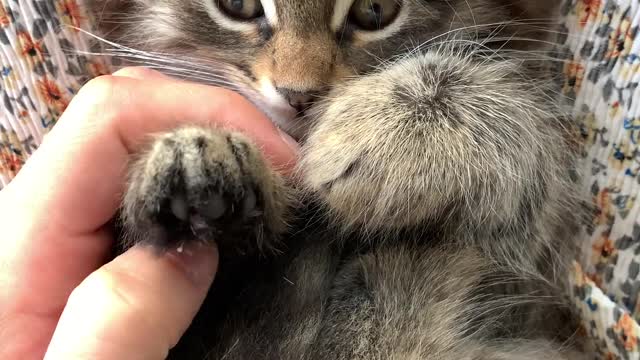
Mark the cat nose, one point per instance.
(298, 100)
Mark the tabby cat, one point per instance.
(432, 213)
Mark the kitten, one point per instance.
(434, 217)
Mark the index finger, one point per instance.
(85, 155)
(53, 213)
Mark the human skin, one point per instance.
(60, 298)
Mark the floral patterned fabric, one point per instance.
(40, 70)
(602, 75)
(42, 66)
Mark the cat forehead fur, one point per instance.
(188, 26)
(308, 46)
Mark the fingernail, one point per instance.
(199, 261)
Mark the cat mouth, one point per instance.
(289, 121)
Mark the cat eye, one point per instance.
(374, 14)
(241, 9)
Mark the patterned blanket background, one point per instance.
(42, 66)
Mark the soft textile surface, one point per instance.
(40, 70)
(44, 61)
(602, 75)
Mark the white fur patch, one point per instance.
(270, 12)
(271, 94)
(277, 107)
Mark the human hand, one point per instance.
(55, 238)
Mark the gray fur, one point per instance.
(435, 214)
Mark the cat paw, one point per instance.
(207, 185)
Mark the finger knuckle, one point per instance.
(104, 286)
(135, 72)
(100, 89)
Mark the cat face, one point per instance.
(283, 54)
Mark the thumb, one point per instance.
(135, 307)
